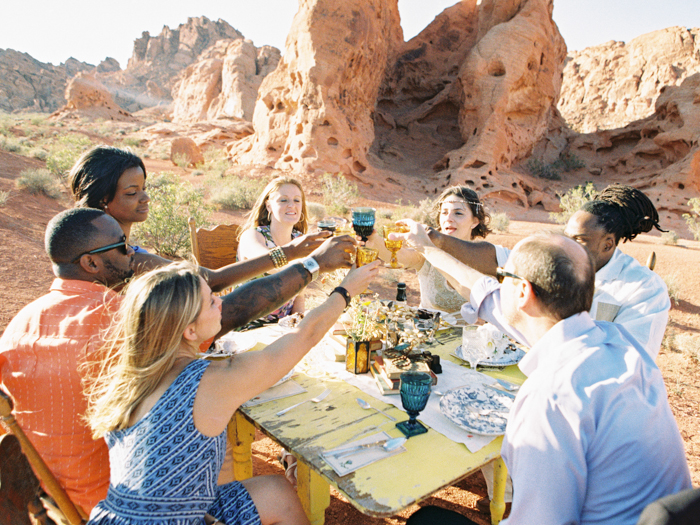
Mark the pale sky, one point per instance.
(91, 30)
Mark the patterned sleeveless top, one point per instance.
(163, 470)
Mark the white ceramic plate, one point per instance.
(489, 409)
(512, 356)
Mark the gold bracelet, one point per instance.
(278, 257)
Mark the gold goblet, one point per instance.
(394, 245)
(366, 255)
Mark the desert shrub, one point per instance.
(172, 203)
(181, 160)
(316, 211)
(673, 283)
(572, 200)
(4, 197)
(567, 161)
(215, 161)
(669, 237)
(537, 168)
(11, 144)
(422, 213)
(339, 194)
(500, 222)
(64, 151)
(692, 219)
(236, 193)
(39, 153)
(39, 181)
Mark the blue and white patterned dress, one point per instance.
(164, 471)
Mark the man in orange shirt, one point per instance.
(43, 347)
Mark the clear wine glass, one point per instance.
(415, 391)
(363, 221)
(473, 346)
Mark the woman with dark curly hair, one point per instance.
(458, 213)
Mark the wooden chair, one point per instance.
(70, 512)
(216, 247)
(651, 261)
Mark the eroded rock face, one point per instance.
(223, 82)
(466, 98)
(29, 85)
(158, 60)
(86, 96)
(660, 154)
(610, 85)
(314, 112)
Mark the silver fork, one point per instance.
(316, 399)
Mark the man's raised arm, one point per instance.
(478, 255)
(262, 296)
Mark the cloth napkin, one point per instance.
(366, 456)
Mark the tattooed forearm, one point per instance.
(261, 296)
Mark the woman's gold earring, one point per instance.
(269, 216)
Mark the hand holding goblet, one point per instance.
(394, 245)
(363, 221)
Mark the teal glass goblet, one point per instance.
(415, 391)
(363, 221)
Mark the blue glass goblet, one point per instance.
(415, 391)
(363, 221)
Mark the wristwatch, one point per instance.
(312, 266)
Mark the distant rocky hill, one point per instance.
(153, 69)
(29, 85)
(610, 85)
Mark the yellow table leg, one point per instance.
(314, 493)
(498, 506)
(241, 434)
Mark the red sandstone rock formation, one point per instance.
(86, 96)
(29, 85)
(314, 112)
(660, 154)
(610, 85)
(224, 81)
(349, 96)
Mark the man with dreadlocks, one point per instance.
(626, 292)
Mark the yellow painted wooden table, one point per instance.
(382, 489)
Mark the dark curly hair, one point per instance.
(623, 211)
(472, 199)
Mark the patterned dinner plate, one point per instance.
(477, 409)
(512, 356)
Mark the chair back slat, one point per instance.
(42, 470)
(216, 247)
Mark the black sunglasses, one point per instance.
(502, 274)
(121, 245)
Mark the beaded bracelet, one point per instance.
(342, 291)
(278, 257)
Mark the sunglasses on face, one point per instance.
(122, 246)
(502, 274)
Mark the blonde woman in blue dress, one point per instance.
(163, 411)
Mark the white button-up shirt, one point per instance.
(591, 438)
(626, 293)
